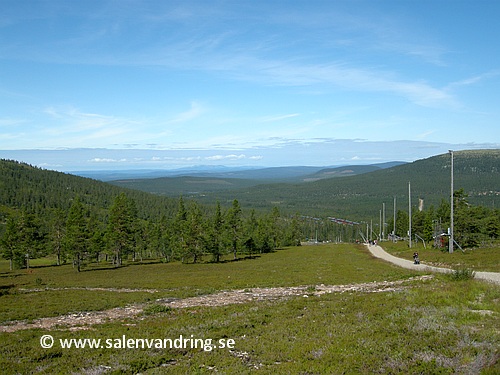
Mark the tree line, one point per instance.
(81, 220)
(82, 234)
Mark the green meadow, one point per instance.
(432, 325)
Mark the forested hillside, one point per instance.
(36, 190)
(196, 183)
(82, 221)
(86, 221)
(361, 197)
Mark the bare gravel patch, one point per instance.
(85, 320)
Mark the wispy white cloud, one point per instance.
(206, 46)
(226, 157)
(195, 111)
(475, 79)
(73, 128)
(107, 160)
(426, 134)
(11, 122)
(374, 56)
(278, 117)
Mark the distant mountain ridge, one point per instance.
(198, 181)
(352, 196)
(355, 197)
(220, 171)
(362, 196)
(350, 170)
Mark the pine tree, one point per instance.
(293, 233)
(95, 232)
(234, 227)
(9, 243)
(122, 227)
(195, 232)
(180, 231)
(251, 233)
(30, 237)
(76, 233)
(57, 234)
(214, 244)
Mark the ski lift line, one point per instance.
(332, 219)
(342, 221)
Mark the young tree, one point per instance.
(29, 237)
(491, 225)
(275, 231)
(96, 242)
(76, 232)
(162, 235)
(9, 243)
(264, 238)
(180, 231)
(122, 227)
(293, 232)
(402, 223)
(57, 234)
(195, 232)
(214, 243)
(251, 234)
(234, 226)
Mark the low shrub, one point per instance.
(462, 274)
(156, 309)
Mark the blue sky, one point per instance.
(165, 84)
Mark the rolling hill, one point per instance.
(199, 181)
(23, 186)
(355, 197)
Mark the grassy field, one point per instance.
(435, 325)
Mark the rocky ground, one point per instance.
(85, 320)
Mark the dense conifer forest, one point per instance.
(84, 221)
(81, 220)
(360, 197)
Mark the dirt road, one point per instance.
(379, 252)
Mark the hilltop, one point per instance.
(37, 190)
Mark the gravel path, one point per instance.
(84, 320)
(378, 252)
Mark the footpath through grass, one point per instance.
(432, 326)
